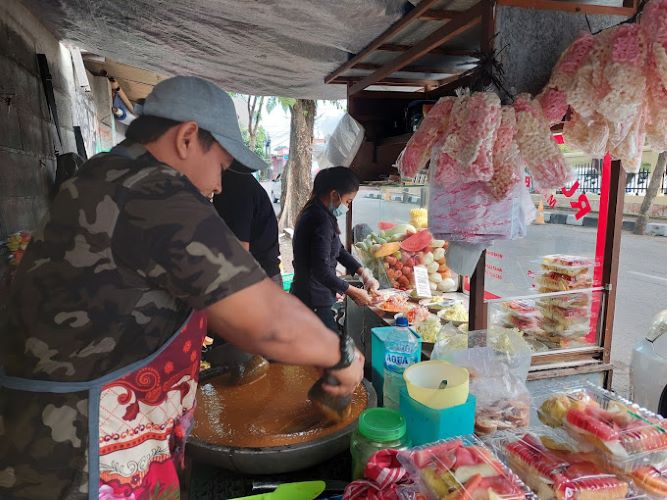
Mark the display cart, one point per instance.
(440, 50)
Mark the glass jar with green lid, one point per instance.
(378, 429)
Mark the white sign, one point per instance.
(422, 284)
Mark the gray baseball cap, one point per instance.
(190, 98)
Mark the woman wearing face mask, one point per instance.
(318, 249)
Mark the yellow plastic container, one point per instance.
(424, 382)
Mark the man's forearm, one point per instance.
(280, 327)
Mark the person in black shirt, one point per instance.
(246, 208)
(318, 249)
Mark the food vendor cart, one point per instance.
(383, 93)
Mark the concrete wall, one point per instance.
(28, 141)
(533, 40)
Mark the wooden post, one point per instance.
(478, 311)
(612, 251)
(348, 229)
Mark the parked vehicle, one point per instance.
(648, 369)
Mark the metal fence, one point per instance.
(590, 179)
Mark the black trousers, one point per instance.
(326, 315)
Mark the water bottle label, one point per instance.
(399, 361)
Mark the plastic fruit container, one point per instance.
(554, 470)
(437, 384)
(462, 468)
(625, 436)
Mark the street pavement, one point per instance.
(642, 283)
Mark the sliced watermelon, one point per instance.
(417, 242)
(502, 486)
(384, 225)
(589, 423)
(442, 454)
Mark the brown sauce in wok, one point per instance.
(272, 411)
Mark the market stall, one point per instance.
(487, 354)
(560, 293)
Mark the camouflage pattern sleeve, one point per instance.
(176, 241)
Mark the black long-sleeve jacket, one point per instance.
(317, 251)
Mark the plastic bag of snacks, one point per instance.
(498, 381)
(507, 162)
(465, 154)
(538, 149)
(462, 468)
(417, 152)
(553, 469)
(468, 212)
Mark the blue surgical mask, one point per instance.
(338, 211)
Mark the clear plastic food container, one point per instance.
(625, 436)
(651, 479)
(554, 470)
(554, 282)
(462, 468)
(569, 265)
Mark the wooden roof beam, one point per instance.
(438, 15)
(460, 24)
(409, 69)
(565, 6)
(388, 33)
(395, 47)
(414, 82)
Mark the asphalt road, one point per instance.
(642, 286)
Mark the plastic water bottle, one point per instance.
(401, 351)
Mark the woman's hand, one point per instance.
(360, 296)
(370, 283)
(348, 378)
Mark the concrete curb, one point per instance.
(652, 229)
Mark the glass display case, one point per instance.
(548, 285)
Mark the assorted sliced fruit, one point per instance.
(456, 469)
(621, 432)
(395, 250)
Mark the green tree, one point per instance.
(260, 141)
(255, 107)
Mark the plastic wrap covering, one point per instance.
(343, 143)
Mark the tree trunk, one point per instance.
(651, 193)
(297, 171)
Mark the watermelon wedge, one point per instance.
(417, 242)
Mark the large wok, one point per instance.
(278, 459)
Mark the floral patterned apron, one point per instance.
(138, 417)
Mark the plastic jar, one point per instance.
(377, 429)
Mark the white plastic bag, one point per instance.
(343, 144)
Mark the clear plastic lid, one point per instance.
(554, 282)
(567, 264)
(652, 479)
(553, 469)
(462, 468)
(575, 299)
(625, 435)
(521, 308)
